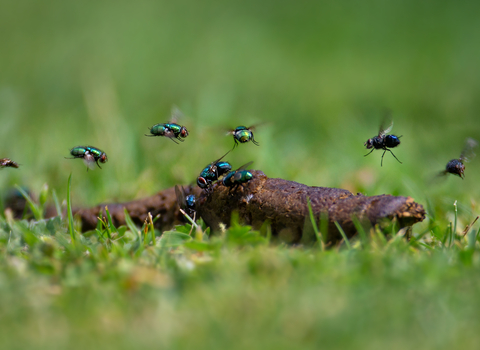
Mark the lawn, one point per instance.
(319, 76)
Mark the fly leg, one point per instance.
(385, 150)
(381, 162)
(373, 149)
(171, 136)
(235, 144)
(392, 155)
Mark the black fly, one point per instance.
(383, 141)
(456, 166)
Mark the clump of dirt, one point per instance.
(280, 203)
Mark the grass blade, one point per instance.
(454, 231)
(58, 207)
(361, 231)
(472, 239)
(314, 224)
(131, 225)
(152, 229)
(110, 222)
(36, 211)
(340, 229)
(69, 210)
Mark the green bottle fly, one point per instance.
(243, 134)
(172, 130)
(213, 171)
(238, 177)
(90, 155)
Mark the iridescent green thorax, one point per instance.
(170, 130)
(242, 134)
(95, 151)
(212, 172)
(207, 173)
(178, 131)
(223, 168)
(89, 154)
(215, 170)
(174, 127)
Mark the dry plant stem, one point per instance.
(281, 203)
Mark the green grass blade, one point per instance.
(188, 218)
(472, 239)
(112, 227)
(130, 224)
(361, 231)
(454, 230)
(58, 207)
(314, 224)
(36, 211)
(152, 229)
(340, 229)
(69, 210)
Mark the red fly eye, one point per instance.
(103, 158)
(202, 182)
(184, 132)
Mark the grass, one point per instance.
(320, 74)
(114, 287)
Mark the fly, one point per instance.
(238, 177)
(213, 171)
(383, 141)
(7, 163)
(243, 134)
(185, 202)
(90, 155)
(172, 130)
(457, 166)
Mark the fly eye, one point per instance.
(201, 182)
(103, 158)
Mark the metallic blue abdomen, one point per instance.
(391, 141)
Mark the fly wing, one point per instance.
(169, 133)
(386, 125)
(244, 166)
(254, 126)
(180, 196)
(468, 150)
(176, 115)
(89, 160)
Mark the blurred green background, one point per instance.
(321, 73)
